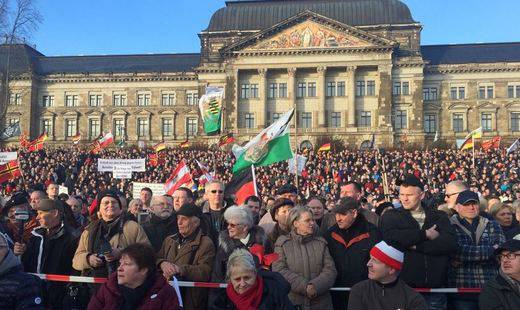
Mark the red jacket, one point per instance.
(160, 296)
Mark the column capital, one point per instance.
(262, 72)
(351, 69)
(321, 69)
(291, 71)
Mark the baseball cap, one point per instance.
(466, 197)
(411, 180)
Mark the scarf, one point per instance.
(133, 297)
(249, 300)
(515, 285)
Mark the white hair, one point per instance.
(240, 258)
(243, 215)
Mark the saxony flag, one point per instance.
(210, 105)
(270, 146)
(476, 134)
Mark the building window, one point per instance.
(276, 116)
(191, 126)
(458, 93)
(430, 123)
(331, 89)
(396, 90)
(365, 119)
(485, 122)
(335, 119)
(71, 100)
(95, 100)
(360, 88)
(244, 91)
(400, 120)
(311, 89)
(167, 127)
(70, 128)
(406, 88)
(94, 128)
(515, 121)
(119, 128)
(340, 89)
(282, 90)
(248, 91)
(250, 120)
(119, 100)
(15, 99)
(143, 100)
(458, 122)
(273, 91)
(254, 90)
(47, 101)
(401, 88)
(302, 90)
(485, 92)
(513, 91)
(306, 120)
(47, 126)
(168, 99)
(371, 88)
(142, 127)
(430, 93)
(192, 98)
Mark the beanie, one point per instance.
(388, 255)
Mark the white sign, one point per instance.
(6, 157)
(157, 188)
(122, 172)
(301, 164)
(63, 190)
(107, 165)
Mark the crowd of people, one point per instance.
(439, 222)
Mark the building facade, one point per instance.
(352, 69)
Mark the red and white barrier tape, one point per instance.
(61, 278)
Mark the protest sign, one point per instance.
(6, 157)
(107, 165)
(122, 172)
(157, 188)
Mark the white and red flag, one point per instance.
(205, 175)
(179, 177)
(106, 140)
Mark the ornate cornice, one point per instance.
(87, 78)
(285, 52)
(472, 68)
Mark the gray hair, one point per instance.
(133, 202)
(295, 215)
(459, 185)
(516, 205)
(240, 258)
(206, 187)
(243, 215)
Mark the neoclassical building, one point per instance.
(352, 69)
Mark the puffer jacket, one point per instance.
(306, 260)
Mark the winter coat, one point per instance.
(276, 233)
(195, 260)
(511, 231)
(329, 220)
(18, 290)
(372, 295)
(274, 296)
(306, 260)
(160, 296)
(498, 294)
(474, 262)
(51, 255)
(350, 249)
(427, 265)
(158, 229)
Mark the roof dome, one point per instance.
(261, 14)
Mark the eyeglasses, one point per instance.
(231, 225)
(217, 191)
(510, 256)
(449, 195)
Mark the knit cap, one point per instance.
(388, 255)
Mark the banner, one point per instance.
(301, 164)
(157, 188)
(210, 105)
(62, 190)
(6, 157)
(122, 172)
(136, 165)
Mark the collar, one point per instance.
(246, 239)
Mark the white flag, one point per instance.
(513, 146)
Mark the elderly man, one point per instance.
(426, 237)
(188, 255)
(76, 206)
(163, 221)
(503, 292)
(35, 197)
(450, 196)
(286, 191)
(181, 196)
(384, 289)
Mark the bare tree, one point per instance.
(18, 20)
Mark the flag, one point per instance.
(210, 105)
(155, 160)
(76, 138)
(9, 171)
(159, 147)
(226, 139)
(467, 144)
(206, 176)
(24, 143)
(241, 185)
(37, 144)
(179, 177)
(324, 148)
(491, 143)
(271, 145)
(373, 142)
(105, 140)
(436, 136)
(297, 164)
(185, 144)
(476, 134)
(121, 143)
(12, 130)
(513, 146)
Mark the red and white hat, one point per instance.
(388, 255)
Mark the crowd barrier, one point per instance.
(77, 279)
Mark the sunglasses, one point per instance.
(449, 195)
(217, 191)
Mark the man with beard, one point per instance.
(163, 221)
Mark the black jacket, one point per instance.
(275, 295)
(427, 264)
(158, 229)
(499, 295)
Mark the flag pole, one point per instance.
(473, 141)
(254, 180)
(295, 115)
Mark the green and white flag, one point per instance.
(268, 147)
(210, 105)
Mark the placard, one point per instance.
(122, 172)
(6, 157)
(136, 165)
(157, 188)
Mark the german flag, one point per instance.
(9, 171)
(76, 138)
(159, 147)
(37, 144)
(468, 144)
(241, 186)
(324, 148)
(226, 139)
(185, 144)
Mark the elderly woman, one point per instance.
(305, 262)
(136, 284)
(249, 288)
(134, 207)
(504, 214)
(240, 233)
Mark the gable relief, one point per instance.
(310, 35)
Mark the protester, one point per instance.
(214, 208)
(19, 231)
(279, 213)
(162, 223)
(35, 198)
(384, 289)
(254, 204)
(305, 262)
(317, 208)
(503, 292)
(349, 242)
(473, 263)
(504, 214)
(76, 207)
(249, 288)
(136, 284)
(188, 255)
(53, 191)
(181, 196)
(452, 192)
(146, 197)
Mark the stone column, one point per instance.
(234, 114)
(262, 94)
(322, 96)
(291, 92)
(351, 96)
